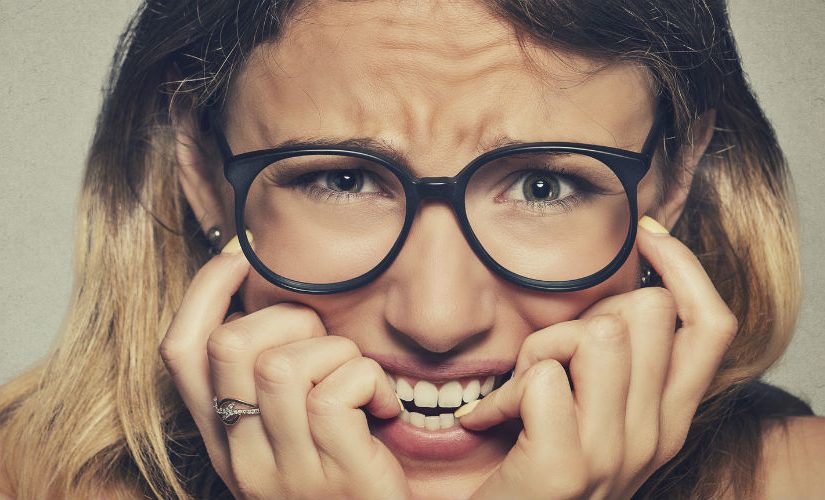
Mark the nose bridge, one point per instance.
(440, 188)
(441, 293)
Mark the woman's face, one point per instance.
(441, 83)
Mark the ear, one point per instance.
(197, 171)
(699, 137)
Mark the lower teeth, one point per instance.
(431, 423)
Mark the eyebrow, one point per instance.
(384, 148)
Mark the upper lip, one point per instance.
(442, 371)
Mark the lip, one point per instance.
(441, 371)
(418, 444)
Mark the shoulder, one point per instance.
(793, 458)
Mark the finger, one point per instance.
(338, 425)
(650, 314)
(233, 349)
(541, 397)
(558, 342)
(708, 326)
(284, 378)
(183, 348)
(548, 443)
(597, 352)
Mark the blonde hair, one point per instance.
(100, 413)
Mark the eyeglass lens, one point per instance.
(323, 218)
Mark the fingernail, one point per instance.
(400, 403)
(652, 225)
(234, 245)
(466, 408)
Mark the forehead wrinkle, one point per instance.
(423, 109)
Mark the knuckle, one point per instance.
(228, 342)
(369, 365)
(531, 344)
(548, 370)
(654, 297)
(170, 351)
(301, 317)
(729, 324)
(725, 324)
(321, 403)
(343, 344)
(529, 352)
(607, 327)
(274, 368)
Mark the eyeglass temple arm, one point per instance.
(649, 147)
(214, 123)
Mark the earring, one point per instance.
(649, 277)
(214, 235)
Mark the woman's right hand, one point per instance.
(311, 439)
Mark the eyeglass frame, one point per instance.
(628, 166)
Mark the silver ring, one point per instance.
(228, 411)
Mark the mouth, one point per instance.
(431, 404)
(427, 429)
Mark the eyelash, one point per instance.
(582, 191)
(306, 184)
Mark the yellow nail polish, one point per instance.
(466, 408)
(234, 245)
(652, 225)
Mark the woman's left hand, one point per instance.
(635, 385)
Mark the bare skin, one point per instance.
(441, 82)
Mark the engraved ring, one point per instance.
(229, 411)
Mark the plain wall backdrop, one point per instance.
(55, 57)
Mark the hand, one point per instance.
(635, 386)
(311, 439)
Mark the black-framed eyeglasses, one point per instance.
(550, 216)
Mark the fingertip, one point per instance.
(652, 226)
(233, 246)
(466, 409)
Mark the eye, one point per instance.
(347, 181)
(539, 187)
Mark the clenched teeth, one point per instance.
(429, 398)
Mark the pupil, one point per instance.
(346, 180)
(540, 187)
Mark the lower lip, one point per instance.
(403, 438)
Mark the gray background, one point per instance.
(55, 57)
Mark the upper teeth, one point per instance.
(450, 395)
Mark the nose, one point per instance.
(440, 294)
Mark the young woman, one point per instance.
(465, 263)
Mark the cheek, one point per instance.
(336, 309)
(518, 308)
(540, 310)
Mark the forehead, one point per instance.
(436, 79)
